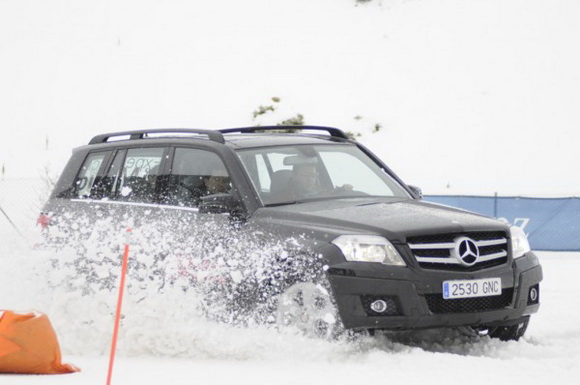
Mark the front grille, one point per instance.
(440, 251)
(438, 305)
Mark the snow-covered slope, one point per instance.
(472, 96)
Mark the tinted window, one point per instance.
(88, 175)
(138, 180)
(194, 173)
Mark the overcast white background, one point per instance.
(474, 96)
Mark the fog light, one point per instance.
(379, 306)
(534, 295)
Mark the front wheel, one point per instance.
(308, 309)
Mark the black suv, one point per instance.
(299, 224)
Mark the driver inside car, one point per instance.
(304, 181)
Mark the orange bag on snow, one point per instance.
(28, 344)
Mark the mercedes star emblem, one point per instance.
(466, 251)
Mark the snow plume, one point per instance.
(185, 283)
(189, 292)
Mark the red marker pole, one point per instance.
(119, 306)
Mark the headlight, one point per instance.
(368, 248)
(520, 244)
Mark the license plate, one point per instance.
(472, 288)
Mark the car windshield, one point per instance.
(287, 174)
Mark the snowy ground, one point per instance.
(164, 341)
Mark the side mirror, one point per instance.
(220, 204)
(416, 191)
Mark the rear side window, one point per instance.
(131, 176)
(136, 180)
(88, 175)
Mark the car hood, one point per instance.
(391, 218)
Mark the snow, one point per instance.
(474, 97)
(164, 339)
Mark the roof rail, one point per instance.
(334, 132)
(213, 135)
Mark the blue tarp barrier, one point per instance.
(551, 223)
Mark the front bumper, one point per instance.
(414, 296)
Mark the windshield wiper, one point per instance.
(378, 203)
(314, 199)
(282, 204)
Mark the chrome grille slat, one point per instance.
(450, 261)
(448, 245)
(489, 257)
(428, 246)
(493, 242)
(439, 251)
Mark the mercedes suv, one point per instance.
(301, 225)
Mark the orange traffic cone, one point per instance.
(28, 344)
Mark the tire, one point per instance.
(308, 309)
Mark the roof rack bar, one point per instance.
(334, 132)
(213, 135)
